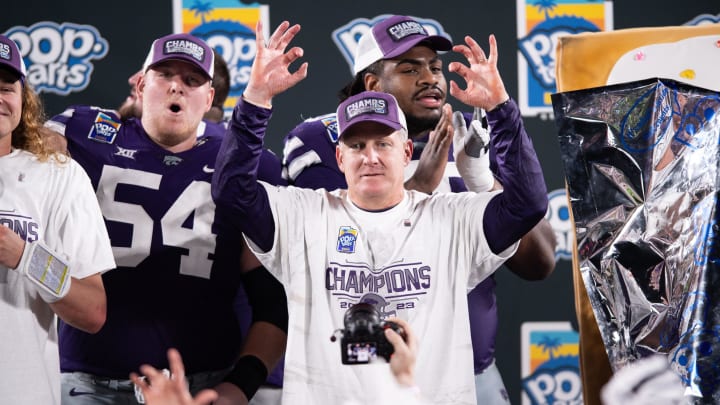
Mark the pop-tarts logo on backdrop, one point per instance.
(347, 36)
(540, 23)
(704, 19)
(558, 216)
(58, 56)
(550, 364)
(228, 26)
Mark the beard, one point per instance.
(420, 125)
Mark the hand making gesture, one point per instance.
(270, 74)
(485, 88)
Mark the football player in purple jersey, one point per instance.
(419, 252)
(411, 70)
(179, 266)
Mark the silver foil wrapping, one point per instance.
(641, 164)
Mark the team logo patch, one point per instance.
(5, 52)
(104, 129)
(401, 30)
(175, 46)
(172, 160)
(331, 127)
(347, 236)
(370, 105)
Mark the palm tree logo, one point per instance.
(545, 7)
(202, 9)
(549, 345)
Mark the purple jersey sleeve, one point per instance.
(235, 186)
(309, 155)
(523, 202)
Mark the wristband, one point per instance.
(49, 273)
(248, 374)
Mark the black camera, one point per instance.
(363, 338)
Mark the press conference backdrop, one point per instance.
(82, 52)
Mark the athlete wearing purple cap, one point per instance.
(180, 266)
(414, 254)
(398, 56)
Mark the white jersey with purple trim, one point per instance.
(53, 202)
(330, 253)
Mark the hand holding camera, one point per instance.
(364, 339)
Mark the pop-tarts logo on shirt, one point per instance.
(347, 236)
(104, 129)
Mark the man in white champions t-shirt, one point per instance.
(411, 255)
(53, 245)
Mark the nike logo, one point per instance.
(206, 169)
(74, 393)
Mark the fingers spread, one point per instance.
(177, 369)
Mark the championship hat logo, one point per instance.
(5, 52)
(366, 106)
(399, 31)
(347, 236)
(186, 47)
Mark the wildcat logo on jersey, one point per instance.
(172, 160)
(229, 28)
(104, 129)
(58, 56)
(347, 36)
(22, 225)
(347, 236)
(550, 364)
(558, 216)
(540, 24)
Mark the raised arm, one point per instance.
(235, 188)
(523, 202)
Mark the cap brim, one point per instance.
(372, 118)
(181, 59)
(437, 43)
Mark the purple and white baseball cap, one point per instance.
(183, 47)
(392, 37)
(370, 106)
(11, 58)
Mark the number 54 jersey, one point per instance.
(178, 268)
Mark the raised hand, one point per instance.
(485, 88)
(433, 159)
(158, 389)
(270, 74)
